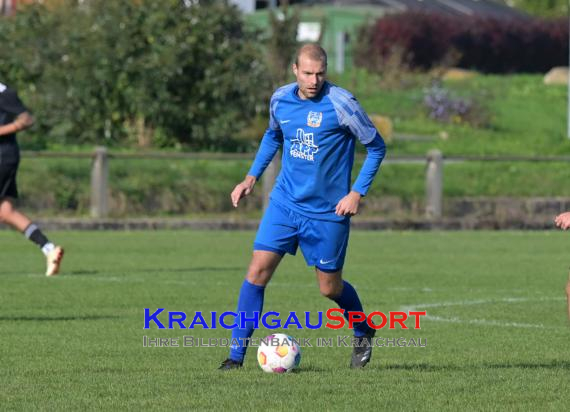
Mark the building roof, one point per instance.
(482, 8)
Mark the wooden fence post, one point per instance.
(434, 184)
(99, 179)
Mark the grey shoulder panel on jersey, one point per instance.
(351, 115)
(277, 95)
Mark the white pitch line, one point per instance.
(127, 279)
(480, 302)
(482, 321)
(452, 289)
(411, 289)
(486, 322)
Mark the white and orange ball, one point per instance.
(278, 353)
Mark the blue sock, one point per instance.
(350, 302)
(250, 300)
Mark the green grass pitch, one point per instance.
(497, 336)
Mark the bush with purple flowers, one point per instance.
(444, 107)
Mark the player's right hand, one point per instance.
(242, 189)
(563, 220)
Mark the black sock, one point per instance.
(33, 233)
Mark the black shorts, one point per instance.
(8, 187)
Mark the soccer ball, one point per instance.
(278, 353)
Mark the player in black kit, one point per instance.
(15, 117)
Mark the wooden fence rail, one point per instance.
(434, 164)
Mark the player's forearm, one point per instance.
(8, 129)
(250, 181)
(376, 150)
(270, 144)
(23, 121)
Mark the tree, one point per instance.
(154, 73)
(282, 42)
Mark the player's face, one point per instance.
(311, 75)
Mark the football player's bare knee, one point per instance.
(330, 284)
(6, 210)
(258, 276)
(262, 267)
(329, 291)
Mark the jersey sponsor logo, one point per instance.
(314, 119)
(285, 121)
(304, 146)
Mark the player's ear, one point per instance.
(295, 69)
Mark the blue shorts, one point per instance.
(322, 242)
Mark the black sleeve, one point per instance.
(11, 103)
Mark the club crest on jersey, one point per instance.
(304, 146)
(314, 119)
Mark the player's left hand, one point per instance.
(563, 220)
(348, 205)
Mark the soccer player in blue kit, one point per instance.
(316, 123)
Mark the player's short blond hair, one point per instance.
(313, 51)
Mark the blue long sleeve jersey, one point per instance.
(318, 137)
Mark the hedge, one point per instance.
(426, 40)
